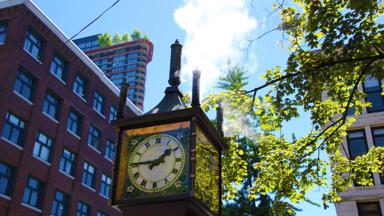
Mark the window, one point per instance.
(372, 87)
(59, 204)
(94, 138)
(33, 44)
(51, 105)
(32, 192)
(80, 86)
(98, 102)
(113, 114)
(24, 85)
(67, 161)
(357, 143)
(13, 129)
(369, 209)
(105, 186)
(89, 175)
(43, 146)
(74, 122)
(5, 179)
(83, 209)
(58, 67)
(3, 31)
(99, 213)
(110, 150)
(378, 136)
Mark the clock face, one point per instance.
(156, 163)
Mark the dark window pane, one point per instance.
(372, 87)
(24, 85)
(357, 143)
(3, 31)
(32, 192)
(369, 209)
(51, 105)
(33, 45)
(58, 67)
(42, 148)
(5, 179)
(59, 204)
(67, 162)
(13, 129)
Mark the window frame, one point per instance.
(21, 130)
(39, 44)
(3, 33)
(51, 104)
(374, 90)
(65, 161)
(375, 136)
(98, 102)
(112, 115)
(59, 204)
(87, 174)
(33, 192)
(80, 82)
(108, 150)
(58, 62)
(105, 185)
(94, 138)
(349, 144)
(79, 122)
(359, 210)
(40, 146)
(82, 204)
(6, 178)
(20, 85)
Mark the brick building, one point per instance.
(366, 132)
(56, 146)
(124, 60)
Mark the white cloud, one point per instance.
(216, 30)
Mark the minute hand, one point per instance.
(159, 160)
(143, 162)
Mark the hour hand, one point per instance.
(142, 163)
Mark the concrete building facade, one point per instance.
(365, 133)
(124, 60)
(57, 146)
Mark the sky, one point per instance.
(213, 33)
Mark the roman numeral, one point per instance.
(166, 181)
(136, 175)
(178, 159)
(147, 145)
(143, 183)
(175, 171)
(158, 140)
(154, 185)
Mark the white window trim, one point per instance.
(45, 162)
(100, 114)
(61, 80)
(12, 143)
(3, 195)
(105, 197)
(31, 207)
(83, 99)
(66, 174)
(22, 97)
(92, 189)
(108, 159)
(30, 54)
(75, 135)
(95, 149)
(48, 116)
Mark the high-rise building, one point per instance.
(57, 146)
(366, 132)
(124, 60)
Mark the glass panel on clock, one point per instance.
(154, 162)
(206, 183)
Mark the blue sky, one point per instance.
(195, 27)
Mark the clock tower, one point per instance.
(169, 159)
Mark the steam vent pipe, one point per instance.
(196, 89)
(175, 65)
(122, 98)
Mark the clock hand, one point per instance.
(159, 160)
(143, 162)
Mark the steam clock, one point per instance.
(169, 159)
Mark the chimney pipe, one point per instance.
(196, 89)
(219, 119)
(122, 98)
(175, 65)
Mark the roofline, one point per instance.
(61, 35)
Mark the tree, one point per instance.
(145, 37)
(136, 35)
(335, 45)
(117, 39)
(105, 39)
(234, 80)
(126, 37)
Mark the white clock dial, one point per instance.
(156, 163)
